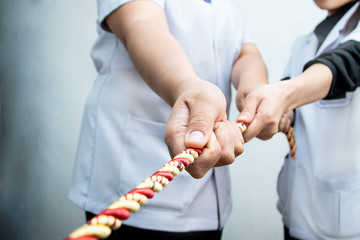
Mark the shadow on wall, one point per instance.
(46, 72)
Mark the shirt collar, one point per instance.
(322, 29)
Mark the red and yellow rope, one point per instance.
(100, 226)
(290, 135)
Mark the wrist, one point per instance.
(288, 90)
(206, 94)
(190, 86)
(245, 89)
(310, 86)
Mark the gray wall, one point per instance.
(46, 73)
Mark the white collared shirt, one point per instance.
(124, 121)
(319, 191)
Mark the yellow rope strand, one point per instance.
(100, 226)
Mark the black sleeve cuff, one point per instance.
(344, 63)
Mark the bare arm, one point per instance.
(249, 72)
(329, 75)
(265, 106)
(198, 118)
(142, 28)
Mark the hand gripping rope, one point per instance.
(100, 226)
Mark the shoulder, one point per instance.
(106, 7)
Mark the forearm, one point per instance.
(265, 106)
(344, 63)
(312, 85)
(156, 54)
(249, 70)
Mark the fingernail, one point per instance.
(244, 116)
(196, 137)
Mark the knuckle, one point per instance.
(198, 175)
(215, 152)
(274, 130)
(196, 172)
(168, 138)
(240, 104)
(200, 118)
(239, 149)
(247, 137)
(227, 158)
(266, 136)
(267, 116)
(271, 126)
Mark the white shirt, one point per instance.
(319, 191)
(124, 121)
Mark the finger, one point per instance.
(202, 117)
(284, 122)
(240, 100)
(288, 125)
(291, 115)
(225, 137)
(232, 146)
(249, 110)
(239, 139)
(269, 131)
(266, 123)
(210, 155)
(253, 130)
(176, 128)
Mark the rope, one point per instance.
(100, 226)
(290, 135)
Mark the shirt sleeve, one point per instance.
(105, 7)
(247, 37)
(344, 63)
(286, 75)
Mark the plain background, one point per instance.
(46, 73)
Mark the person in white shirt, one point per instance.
(165, 69)
(319, 190)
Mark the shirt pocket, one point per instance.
(333, 103)
(285, 185)
(336, 207)
(145, 153)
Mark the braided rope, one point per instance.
(100, 226)
(290, 135)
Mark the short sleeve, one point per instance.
(246, 33)
(287, 73)
(344, 63)
(105, 7)
(247, 38)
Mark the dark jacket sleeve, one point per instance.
(344, 62)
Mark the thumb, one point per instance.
(247, 115)
(200, 126)
(196, 139)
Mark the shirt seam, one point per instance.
(94, 142)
